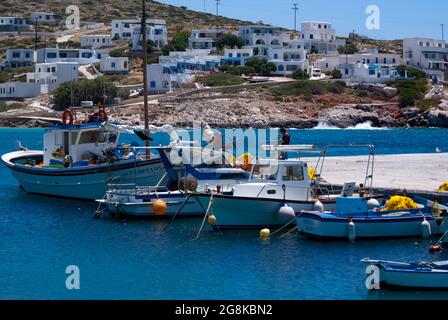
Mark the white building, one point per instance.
(130, 29)
(163, 78)
(95, 41)
(192, 61)
(368, 73)
(16, 58)
(17, 90)
(428, 54)
(114, 65)
(81, 56)
(51, 75)
(262, 36)
(42, 18)
(331, 62)
(204, 38)
(320, 37)
(237, 57)
(13, 24)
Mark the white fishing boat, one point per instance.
(143, 202)
(79, 159)
(276, 191)
(357, 218)
(423, 275)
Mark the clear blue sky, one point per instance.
(399, 18)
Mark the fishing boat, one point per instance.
(423, 275)
(353, 219)
(160, 201)
(275, 192)
(79, 159)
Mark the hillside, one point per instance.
(105, 11)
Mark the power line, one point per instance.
(295, 8)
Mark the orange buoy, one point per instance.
(159, 207)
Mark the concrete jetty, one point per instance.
(417, 172)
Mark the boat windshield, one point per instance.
(265, 172)
(97, 136)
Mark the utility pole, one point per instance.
(35, 35)
(204, 6)
(443, 32)
(295, 8)
(218, 2)
(145, 77)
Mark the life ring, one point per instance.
(67, 117)
(102, 112)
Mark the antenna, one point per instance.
(145, 77)
(218, 3)
(295, 8)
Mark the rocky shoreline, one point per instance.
(245, 110)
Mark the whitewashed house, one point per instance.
(17, 58)
(320, 37)
(192, 61)
(288, 58)
(43, 18)
(81, 56)
(237, 57)
(130, 29)
(429, 55)
(51, 75)
(96, 41)
(262, 36)
(13, 24)
(163, 78)
(204, 38)
(115, 65)
(17, 90)
(368, 73)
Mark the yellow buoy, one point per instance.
(159, 207)
(312, 173)
(211, 219)
(265, 234)
(443, 187)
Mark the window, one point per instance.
(86, 55)
(16, 54)
(280, 68)
(276, 56)
(113, 65)
(92, 137)
(27, 55)
(385, 60)
(153, 84)
(265, 172)
(372, 72)
(394, 60)
(293, 173)
(311, 36)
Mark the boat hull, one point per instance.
(415, 279)
(144, 209)
(248, 213)
(87, 183)
(315, 225)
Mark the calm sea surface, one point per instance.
(40, 237)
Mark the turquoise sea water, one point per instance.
(40, 237)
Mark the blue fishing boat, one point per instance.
(352, 219)
(422, 275)
(79, 160)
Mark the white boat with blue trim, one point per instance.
(357, 218)
(79, 160)
(415, 275)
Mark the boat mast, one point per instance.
(145, 77)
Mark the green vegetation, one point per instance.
(336, 74)
(117, 53)
(299, 74)
(349, 48)
(87, 90)
(10, 75)
(427, 104)
(221, 79)
(410, 91)
(16, 105)
(228, 40)
(237, 70)
(261, 66)
(179, 42)
(307, 88)
(412, 72)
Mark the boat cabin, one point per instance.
(84, 143)
(277, 179)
